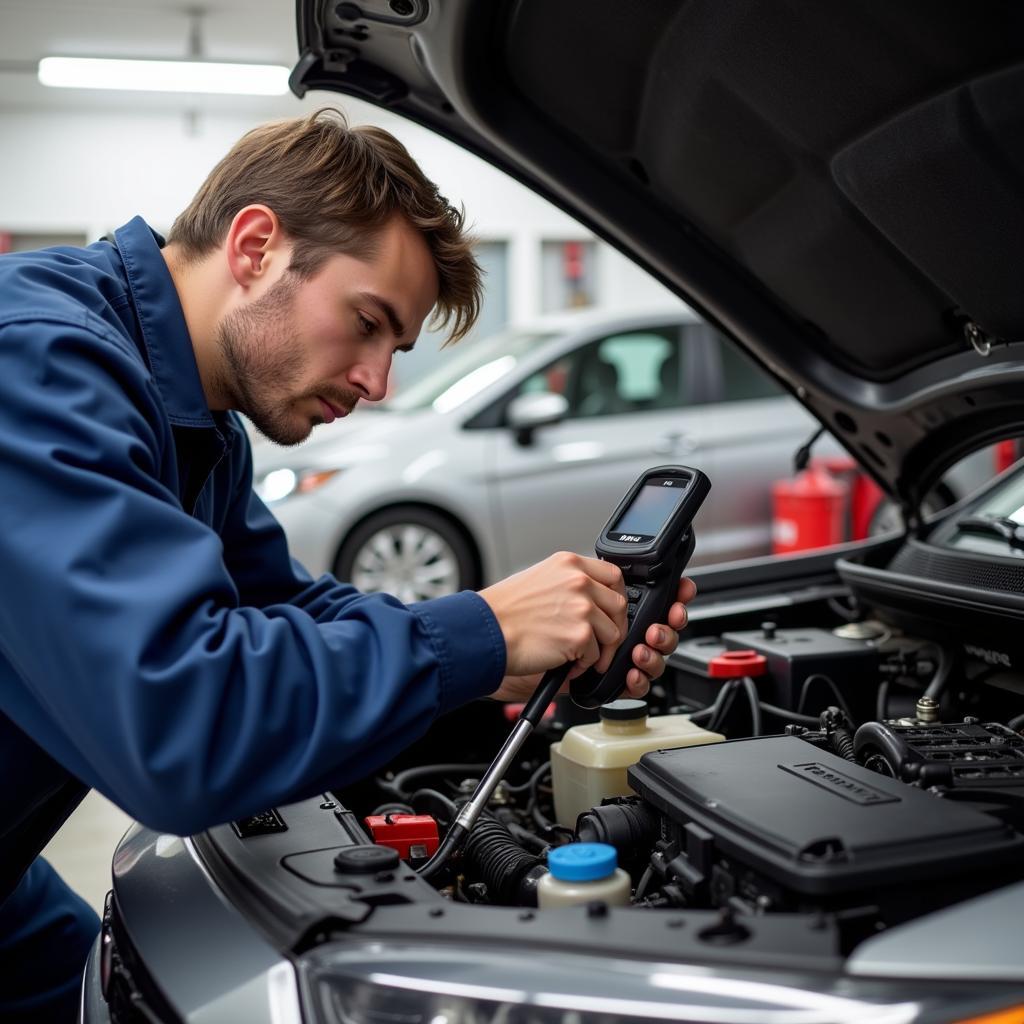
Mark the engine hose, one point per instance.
(430, 801)
(493, 857)
(877, 741)
(842, 744)
(941, 677)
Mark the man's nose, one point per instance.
(371, 378)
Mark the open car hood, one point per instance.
(840, 187)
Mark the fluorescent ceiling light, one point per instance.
(164, 76)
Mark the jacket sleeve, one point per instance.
(128, 651)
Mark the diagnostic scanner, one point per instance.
(650, 538)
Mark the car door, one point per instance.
(628, 410)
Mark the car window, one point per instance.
(620, 373)
(742, 378)
(553, 378)
(475, 367)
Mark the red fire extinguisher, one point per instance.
(809, 511)
(1006, 453)
(864, 494)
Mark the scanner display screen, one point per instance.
(650, 510)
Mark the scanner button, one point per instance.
(630, 610)
(634, 593)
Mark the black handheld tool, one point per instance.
(650, 538)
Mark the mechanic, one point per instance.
(157, 643)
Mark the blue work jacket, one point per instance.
(157, 642)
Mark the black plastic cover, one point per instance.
(815, 823)
(943, 181)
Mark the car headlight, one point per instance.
(279, 484)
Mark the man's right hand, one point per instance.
(566, 608)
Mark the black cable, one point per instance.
(439, 798)
(645, 879)
(1016, 723)
(723, 712)
(528, 838)
(790, 716)
(531, 781)
(831, 685)
(755, 708)
(546, 825)
(705, 713)
(843, 611)
(941, 677)
(398, 783)
(882, 701)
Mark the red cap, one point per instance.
(734, 664)
(404, 832)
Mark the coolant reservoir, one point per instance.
(590, 762)
(580, 873)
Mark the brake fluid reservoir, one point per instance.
(590, 762)
(580, 873)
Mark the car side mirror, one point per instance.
(526, 413)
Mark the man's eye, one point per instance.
(365, 324)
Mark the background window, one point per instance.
(568, 275)
(622, 373)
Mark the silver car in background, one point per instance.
(517, 445)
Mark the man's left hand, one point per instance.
(648, 658)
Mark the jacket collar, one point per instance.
(165, 334)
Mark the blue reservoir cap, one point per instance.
(582, 862)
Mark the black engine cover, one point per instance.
(812, 823)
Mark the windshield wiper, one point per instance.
(999, 526)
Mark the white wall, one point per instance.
(89, 171)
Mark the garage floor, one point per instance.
(82, 850)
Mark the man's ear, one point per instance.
(254, 243)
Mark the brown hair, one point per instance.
(333, 188)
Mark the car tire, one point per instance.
(411, 552)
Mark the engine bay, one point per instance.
(810, 780)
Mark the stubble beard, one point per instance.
(262, 364)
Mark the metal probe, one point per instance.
(527, 721)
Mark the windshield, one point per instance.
(994, 525)
(467, 372)
(1005, 503)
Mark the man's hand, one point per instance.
(566, 608)
(648, 659)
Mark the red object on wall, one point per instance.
(6, 242)
(410, 834)
(572, 261)
(1006, 453)
(809, 511)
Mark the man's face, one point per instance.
(306, 351)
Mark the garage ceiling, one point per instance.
(259, 31)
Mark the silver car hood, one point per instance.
(840, 189)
